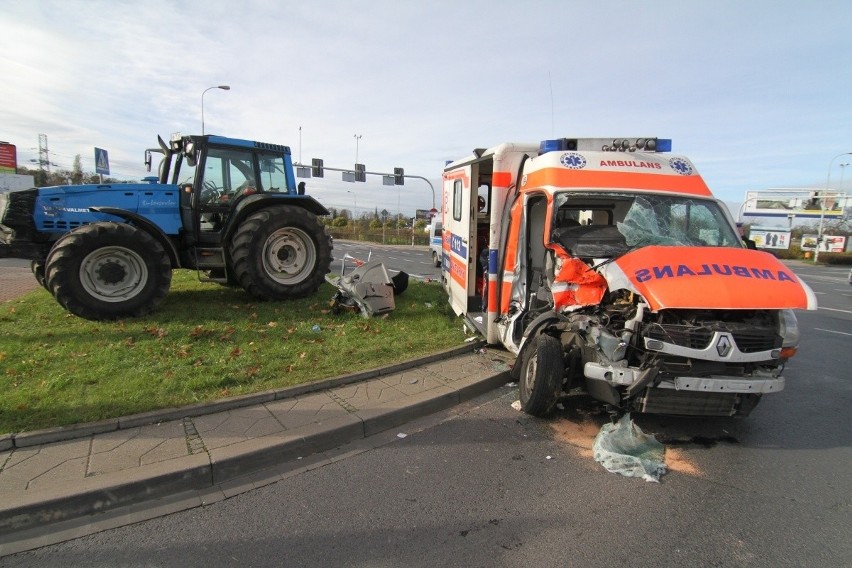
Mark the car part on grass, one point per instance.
(367, 288)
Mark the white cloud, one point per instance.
(755, 93)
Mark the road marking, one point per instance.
(835, 310)
(832, 331)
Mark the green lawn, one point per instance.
(204, 343)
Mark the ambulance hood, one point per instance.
(709, 278)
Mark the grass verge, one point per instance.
(204, 343)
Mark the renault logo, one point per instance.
(724, 346)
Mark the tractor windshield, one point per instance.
(603, 224)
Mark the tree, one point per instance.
(77, 171)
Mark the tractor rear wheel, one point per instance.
(281, 252)
(37, 266)
(107, 271)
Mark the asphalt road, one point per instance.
(415, 260)
(493, 487)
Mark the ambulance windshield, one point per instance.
(602, 224)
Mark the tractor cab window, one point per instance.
(227, 175)
(184, 173)
(272, 174)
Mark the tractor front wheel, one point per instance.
(107, 271)
(281, 253)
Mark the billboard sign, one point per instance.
(8, 158)
(778, 239)
(830, 243)
(806, 203)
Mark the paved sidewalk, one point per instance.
(74, 476)
(16, 278)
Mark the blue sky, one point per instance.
(757, 93)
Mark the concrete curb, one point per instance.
(74, 431)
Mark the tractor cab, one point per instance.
(215, 173)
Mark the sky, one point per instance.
(758, 94)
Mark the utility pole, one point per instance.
(43, 154)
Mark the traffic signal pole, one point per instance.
(352, 171)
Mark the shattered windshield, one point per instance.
(608, 224)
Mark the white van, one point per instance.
(436, 242)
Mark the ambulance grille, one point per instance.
(749, 339)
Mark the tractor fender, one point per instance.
(146, 226)
(530, 332)
(253, 203)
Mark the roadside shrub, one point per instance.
(836, 258)
(792, 253)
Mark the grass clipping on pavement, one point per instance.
(205, 342)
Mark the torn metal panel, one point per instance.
(368, 288)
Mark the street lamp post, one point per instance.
(357, 138)
(224, 88)
(822, 204)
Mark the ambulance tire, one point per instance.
(541, 376)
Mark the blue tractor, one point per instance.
(226, 207)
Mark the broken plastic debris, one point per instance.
(470, 340)
(428, 304)
(402, 435)
(625, 449)
(560, 406)
(549, 458)
(316, 328)
(517, 405)
(478, 319)
(511, 385)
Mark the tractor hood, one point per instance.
(709, 278)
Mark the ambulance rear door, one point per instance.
(459, 235)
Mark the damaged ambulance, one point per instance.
(607, 265)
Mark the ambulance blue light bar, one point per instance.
(606, 145)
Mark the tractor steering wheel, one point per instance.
(210, 193)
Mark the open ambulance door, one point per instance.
(459, 237)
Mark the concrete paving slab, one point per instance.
(107, 475)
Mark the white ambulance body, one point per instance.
(607, 264)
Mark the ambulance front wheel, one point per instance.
(541, 376)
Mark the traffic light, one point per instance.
(316, 168)
(398, 176)
(360, 173)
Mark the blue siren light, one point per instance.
(664, 144)
(557, 145)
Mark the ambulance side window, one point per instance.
(457, 200)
